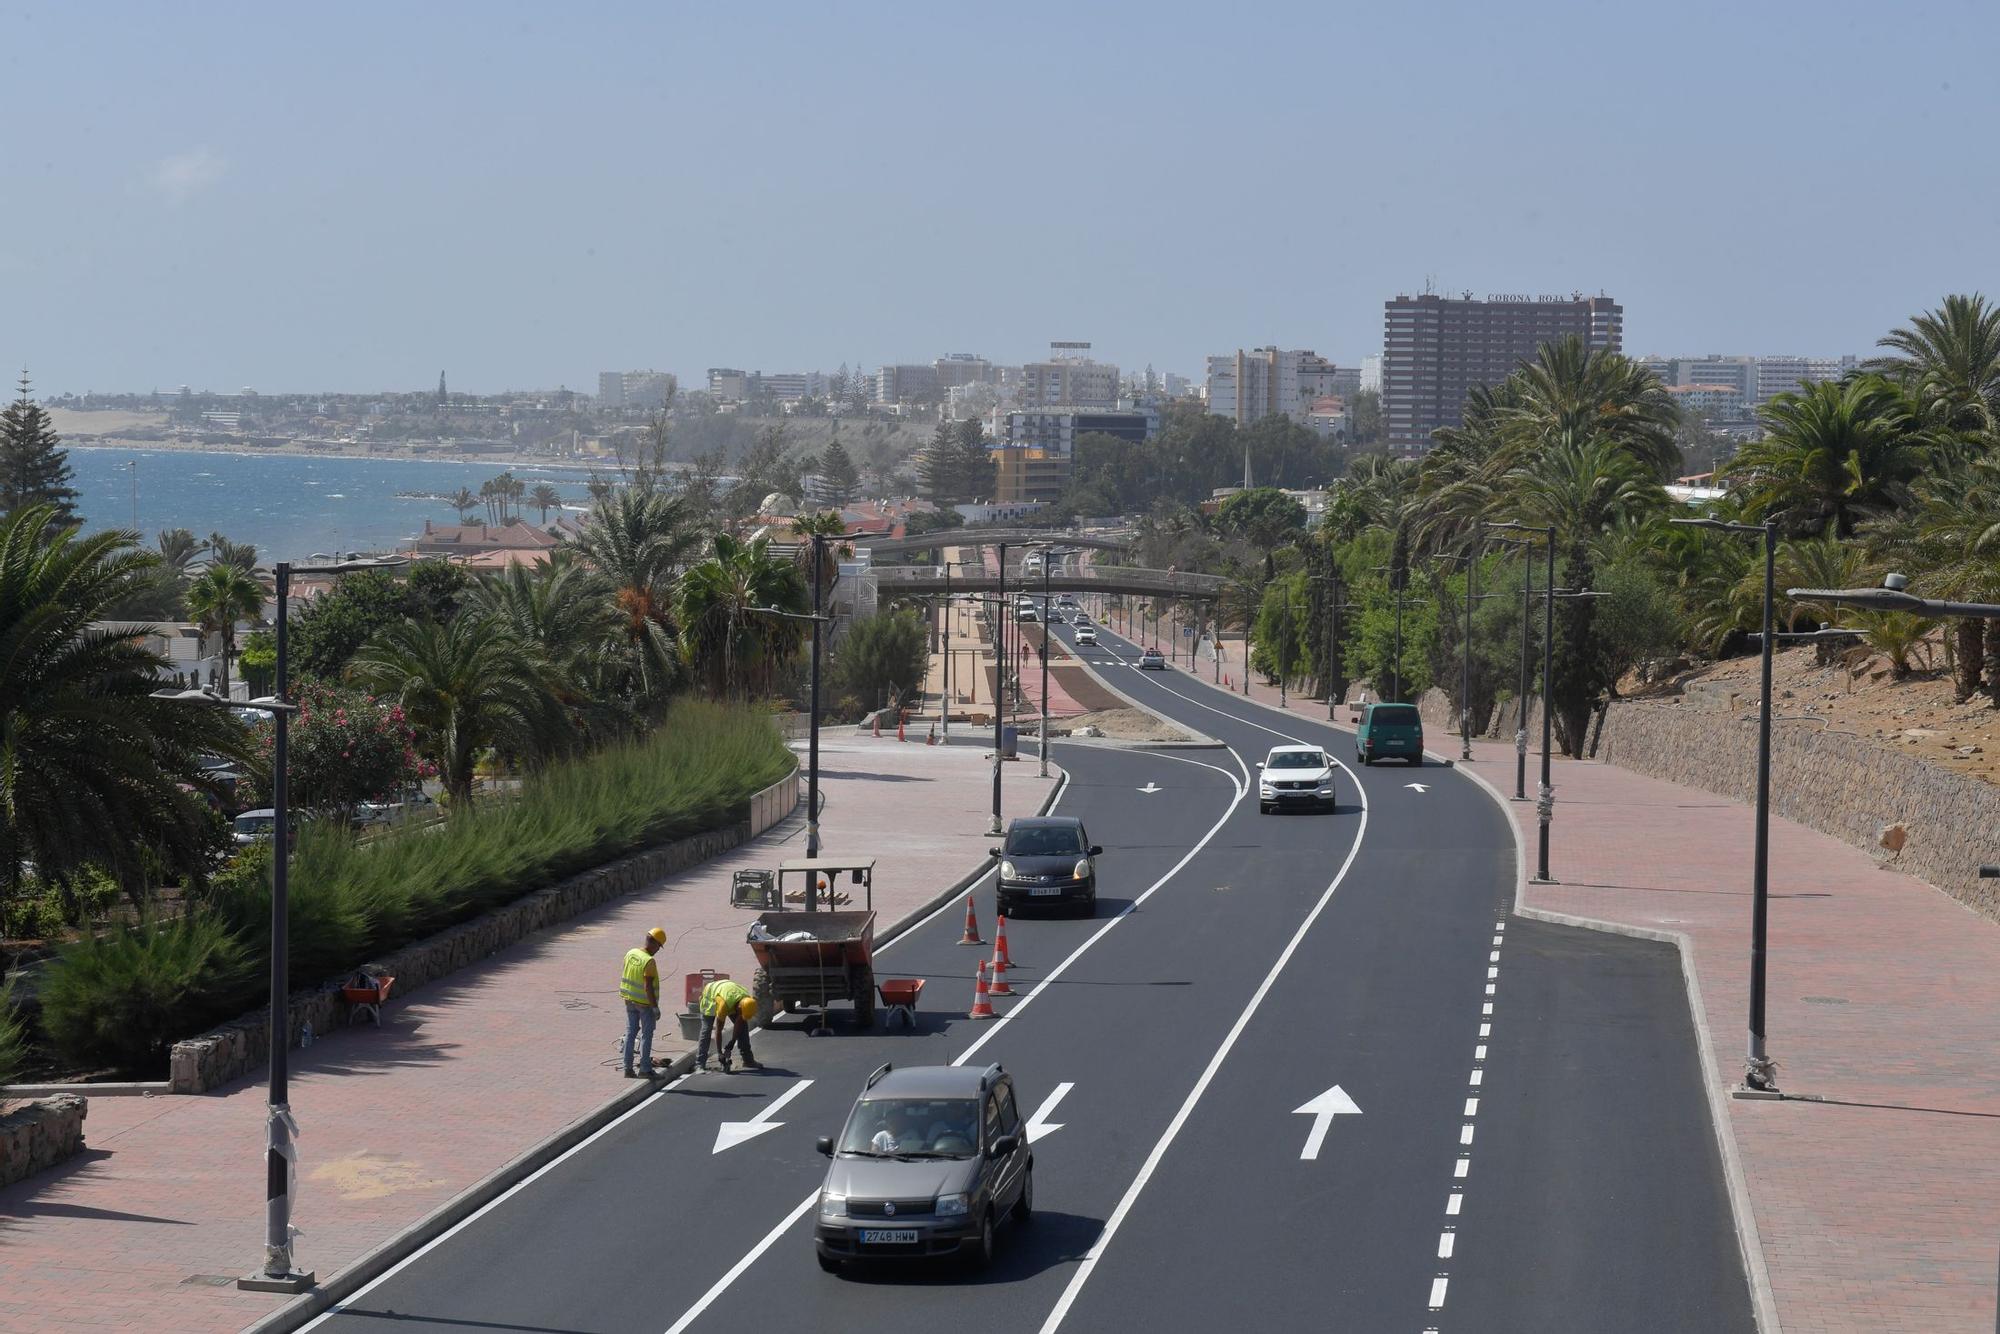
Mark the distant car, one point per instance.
(412, 805)
(1047, 859)
(1067, 599)
(932, 1158)
(1027, 616)
(1085, 635)
(253, 826)
(1296, 776)
(1083, 618)
(1153, 660)
(1390, 731)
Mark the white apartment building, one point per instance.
(641, 390)
(1754, 381)
(1068, 380)
(1268, 382)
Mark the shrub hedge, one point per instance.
(350, 901)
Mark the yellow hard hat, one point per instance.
(748, 1008)
(658, 935)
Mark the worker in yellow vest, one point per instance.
(639, 986)
(724, 1002)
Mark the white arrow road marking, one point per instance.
(1420, 787)
(1039, 1124)
(1151, 788)
(1334, 1102)
(732, 1133)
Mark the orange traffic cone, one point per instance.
(982, 1006)
(878, 724)
(971, 936)
(1001, 959)
(999, 987)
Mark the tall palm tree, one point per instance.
(1949, 360)
(721, 636)
(1837, 451)
(1952, 535)
(489, 495)
(240, 555)
(218, 598)
(639, 539)
(1574, 392)
(464, 502)
(466, 685)
(178, 549)
(545, 498)
(92, 768)
(565, 612)
(828, 524)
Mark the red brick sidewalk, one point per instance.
(1877, 1209)
(466, 1075)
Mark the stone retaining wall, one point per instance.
(222, 1054)
(1914, 816)
(37, 1136)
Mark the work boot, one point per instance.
(630, 1073)
(725, 1065)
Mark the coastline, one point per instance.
(513, 459)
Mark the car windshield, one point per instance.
(1295, 759)
(913, 1127)
(1396, 715)
(255, 824)
(1044, 841)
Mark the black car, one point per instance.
(1047, 859)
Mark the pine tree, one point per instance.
(837, 474)
(939, 474)
(34, 467)
(978, 477)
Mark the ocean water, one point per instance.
(289, 506)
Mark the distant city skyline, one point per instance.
(288, 199)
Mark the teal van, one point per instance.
(1390, 731)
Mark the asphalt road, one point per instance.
(1529, 1147)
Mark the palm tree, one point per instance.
(240, 555)
(545, 498)
(464, 502)
(639, 539)
(1572, 391)
(565, 611)
(1952, 534)
(489, 495)
(721, 637)
(92, 768)
(178, 549)
(1949, 361)
(218, 598)
(466, 685)
(828, 524)
(1837, 451)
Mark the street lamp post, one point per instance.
(1757, 1066)
(1546, 798)
(1049, 555)
(999, 622)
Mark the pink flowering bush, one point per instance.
(346, 748)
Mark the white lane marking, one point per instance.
(1334, 1102)
(1039, 1124)
(1420, 787)
(1479, 1052)
(1490, 988)
(1472, 1106)
(1477, 1075)
(750, 1257)
(1444, 1244)
(732, 1133)
(1159, 1150)
(1494, 957)
(1151, 788)
(1485, 1030)
(1438, 1286)
(1463, 1166)
(1453, 1204)
(1465, 1134)
(1492, 973)
(1500, 925)
(1496, 941)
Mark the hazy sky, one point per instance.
(355, 196)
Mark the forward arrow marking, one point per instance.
(1038, 1124)
(1151, 788)
(1334, 1102)
(732, 1133)
(1420, 787)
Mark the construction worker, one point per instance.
(726, 1002)
(639, 986)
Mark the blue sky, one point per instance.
(354, 196)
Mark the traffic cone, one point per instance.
(878, 723)
(982, 1006)
(999, 987)
(971, 936)
(899, 726)
(1001, 959)
(931, 740)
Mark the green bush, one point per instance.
(882, 656)
(121, 998)
(13, 1036)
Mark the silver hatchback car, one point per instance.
(933, 1157)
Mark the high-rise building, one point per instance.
(1269, 382)
(728, 383)
(1435, 349)
(788, 386)
(1751, 381)
(906, 384)
(1069, 378)
(646, 391)
(1785, 375)
(957, 368)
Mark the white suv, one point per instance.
(1296, 776)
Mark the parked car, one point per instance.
(1047, 859)
(1085, 635)
(932, 1158)
(1153, 660)
(1390, 731)
(1296, 776)
(411, 805)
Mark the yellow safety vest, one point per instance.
(724, 993)
(632, 986)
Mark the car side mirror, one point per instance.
(1096, 850)
(825, 1145)
(1003, 1146)
(1260, 764)
(993, 852)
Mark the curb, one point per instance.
(378, 1260)
(1763, 1301)
(1198, 741)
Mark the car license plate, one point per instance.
(895, 1236)
(1044, 891)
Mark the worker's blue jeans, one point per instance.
(639, 1020)
(738, 1036)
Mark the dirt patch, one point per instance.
(1124, 724)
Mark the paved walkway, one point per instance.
(1878, 1208)
(467, 1074)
